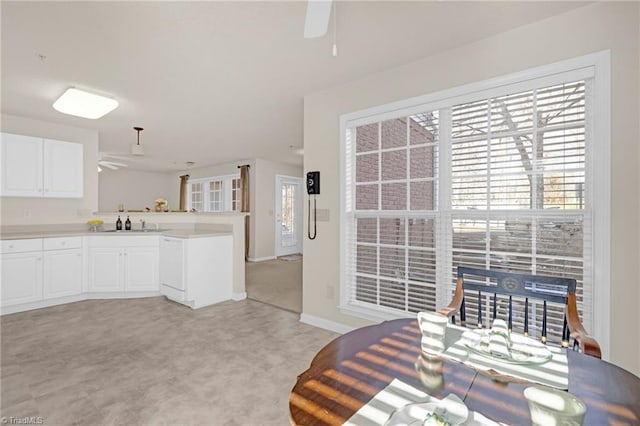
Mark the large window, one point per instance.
(496, 178)
(215, 194)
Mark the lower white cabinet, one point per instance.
(39, 269)
(62, 273)
(141, 269)
(119, 264)
(21, 278)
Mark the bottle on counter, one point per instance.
(127, 224)
(119, 224)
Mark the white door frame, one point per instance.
(279, 250)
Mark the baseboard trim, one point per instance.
(326, 324)
(75, 298)
(261, 259)
(239, 296)
(6, 310)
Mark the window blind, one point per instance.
(497, 182)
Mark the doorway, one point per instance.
(288, 215)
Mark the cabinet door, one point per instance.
(21, 278)
(62, 273)
(141, 270)
(21, 165)
(63, 169)
(105, 269)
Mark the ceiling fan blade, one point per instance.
(112, 163)
(108, 165)
(317, 20)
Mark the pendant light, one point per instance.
(136, 149)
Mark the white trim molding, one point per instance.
(239, 296)
(326, 324)
(261, 259)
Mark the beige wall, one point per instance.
(262, 176)
(586, 30)
(26, 211)
(135, 189)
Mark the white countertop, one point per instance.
(176, 233)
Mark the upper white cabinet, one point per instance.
(35, 167)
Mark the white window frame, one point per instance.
(227, 189)
(596, 66)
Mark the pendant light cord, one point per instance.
(335, 28)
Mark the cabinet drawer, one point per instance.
(21, 246)
(122, 241)
(62, 243)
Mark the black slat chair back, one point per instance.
(524, 301)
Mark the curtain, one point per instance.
(183, 191)
(244, 204)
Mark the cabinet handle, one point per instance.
(46, 190)
(64, 243)
(11, 246)
(39, 259)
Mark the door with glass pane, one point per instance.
(288, 215)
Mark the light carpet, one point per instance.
(276, 282)
(151, 361)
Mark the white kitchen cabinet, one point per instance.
(105, 269)
(21, 272)
(119, 264)
(21, 166)
(62, 273)
(196, 271)
(141, 269)
(36, 167)
(63, 169)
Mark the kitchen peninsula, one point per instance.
(51, 264)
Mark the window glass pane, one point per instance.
(422, 162)
(366, 197)
(367, 168)
(367, 230)
(196, 197)
(424, 128)
(392, 231)
(394, 165)
(394, 196)
(394, 133)
(422, 195)
(367, 138)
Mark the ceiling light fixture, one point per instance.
(136, 149)
(84, 104)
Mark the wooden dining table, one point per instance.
(348, 372)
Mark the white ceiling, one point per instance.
(214, 82)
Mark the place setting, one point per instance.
(503, 355)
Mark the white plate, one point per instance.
(524, 350)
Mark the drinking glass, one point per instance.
(551, 407)
(434, 328)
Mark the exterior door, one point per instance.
(288, 215)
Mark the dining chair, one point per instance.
(524, 301)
